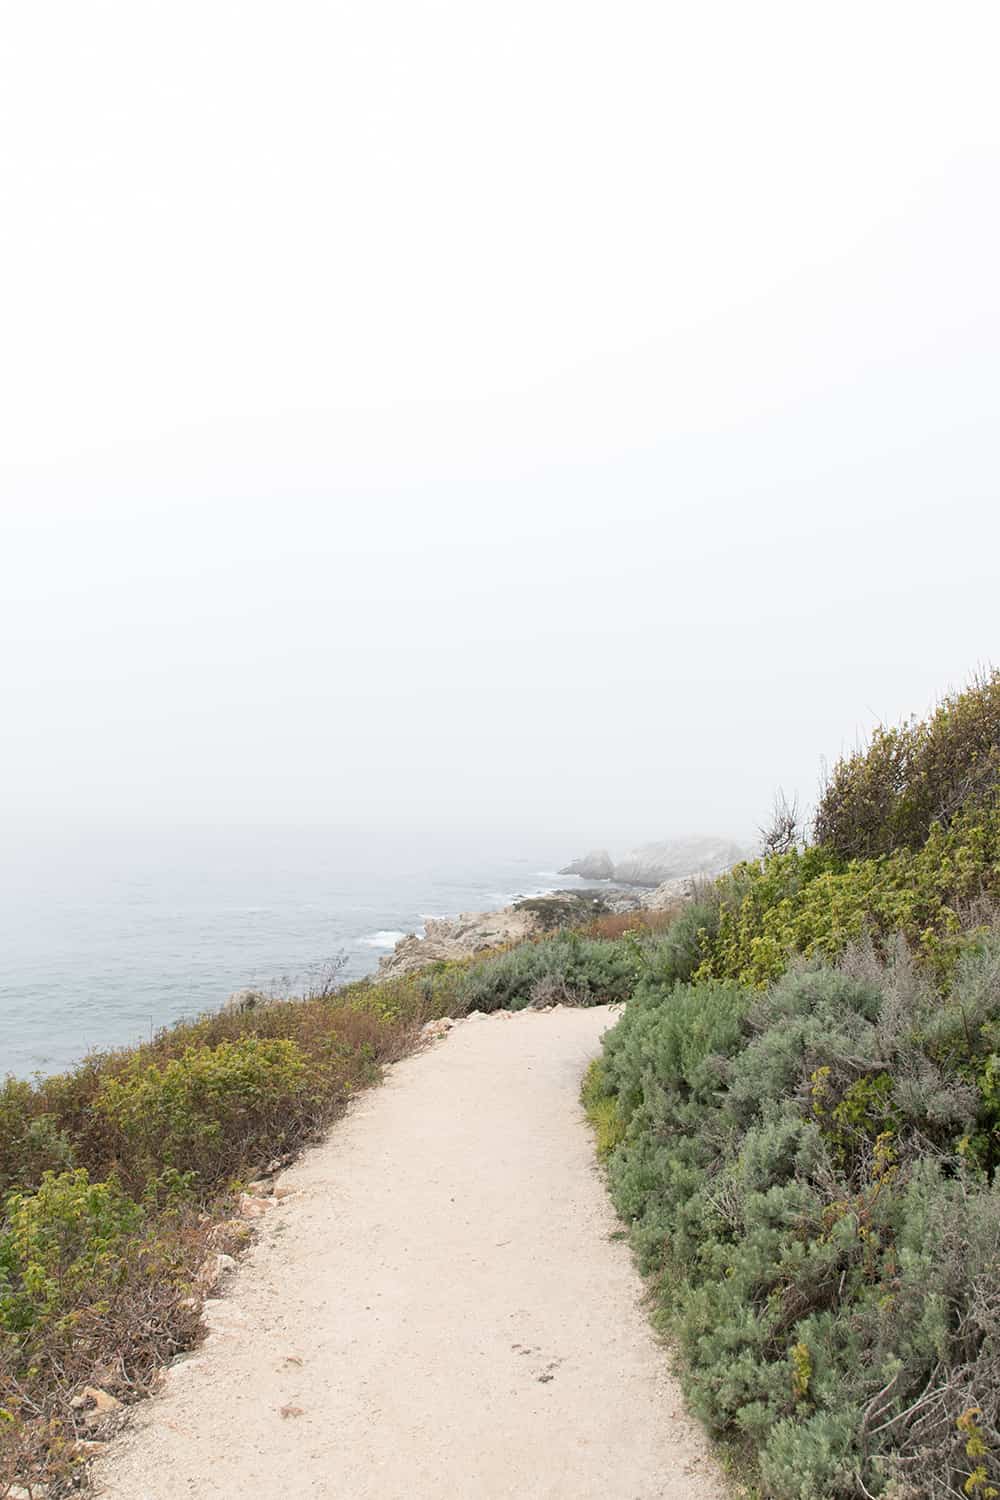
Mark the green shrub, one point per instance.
(567, 969)
(423, 995)
(567, 909)
(95, 1289)
(673, 1040)
(677, 953)
(60, 1247)
(31, 1139)
(812, 903)
(809, 1170)
(602, 1110)
(890, 793)
(207, 1111)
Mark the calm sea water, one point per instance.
(104, 939)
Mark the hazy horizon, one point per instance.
(453, 423)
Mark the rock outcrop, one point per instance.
(672, 892)
(671, 859)
(597, 865)
(459, 937)
(243, 1000)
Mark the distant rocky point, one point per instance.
(597, 865)
(651, 864)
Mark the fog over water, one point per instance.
(489, 432)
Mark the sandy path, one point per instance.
(442, 1301)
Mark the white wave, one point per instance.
(384, 938)
(507, 898)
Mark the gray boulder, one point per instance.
(673, 892)
(243, 1000)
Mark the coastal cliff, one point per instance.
(460, 937)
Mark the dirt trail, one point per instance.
(439, 1310)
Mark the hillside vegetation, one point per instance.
(800, 1112)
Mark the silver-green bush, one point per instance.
(810, 1172)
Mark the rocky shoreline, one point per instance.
(652, 877)
(473, 933)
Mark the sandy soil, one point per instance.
(439, 1310)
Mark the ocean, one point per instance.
(105, 938)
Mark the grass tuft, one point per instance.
(600, 1105)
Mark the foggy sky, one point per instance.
(488, 417)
